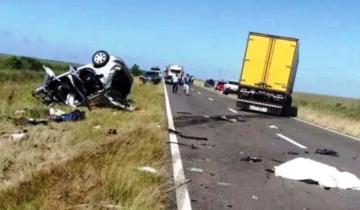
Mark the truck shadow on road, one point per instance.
(188, 120)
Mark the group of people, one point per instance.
(186, 81)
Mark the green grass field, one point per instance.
(76, 165)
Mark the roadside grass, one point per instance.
(76, 165)
(338, 113)
(341, 114)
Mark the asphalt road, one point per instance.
(228, 183)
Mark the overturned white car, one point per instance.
(106, 81)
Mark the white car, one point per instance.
(231, 87)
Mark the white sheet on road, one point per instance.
(325, 175)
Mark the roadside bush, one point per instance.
(135, 70)
(13, 62)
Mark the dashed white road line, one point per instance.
(291, 141)
(211, 99)
(231, 110)
(199, 93)
(182, 193)
(273, 127)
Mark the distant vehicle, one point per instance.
(219, 86)
(209, 83)
(173, 70)
(151, 76)
(268, 74)
(156, 69)
(231, 87)
(106, 80)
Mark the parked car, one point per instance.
(151, 76)
(105, 81)
(157, 69)
(209, 83)
(231, 87)
(219, 86)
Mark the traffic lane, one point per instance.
(310, 136)
(221, 165)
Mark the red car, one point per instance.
(220, 86)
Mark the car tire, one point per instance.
(100, 58)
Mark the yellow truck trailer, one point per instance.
(268, 74)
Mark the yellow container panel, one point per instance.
(280, 64)
(255, 61)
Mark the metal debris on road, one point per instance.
(293, 153)
(273, 127)
(186, 113)
(182, 144)
(195, 169)
(329, 152)
(178, 185)
(224, 184)
(254, 197)
(251, 159)
(186, 136)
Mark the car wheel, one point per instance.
(100, 58)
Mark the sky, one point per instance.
(207, 37)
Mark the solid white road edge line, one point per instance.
(327, 129)
(182, 193)
(231, 110)
(291, 141)
(211, 99)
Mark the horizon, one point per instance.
(207, 38)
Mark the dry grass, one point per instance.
(341, 114)
(74, 165)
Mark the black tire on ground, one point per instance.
(287, 109)
(100, 58)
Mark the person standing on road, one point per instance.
(175, 81)
(187, 83)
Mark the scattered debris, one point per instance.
(182, 144)
(293, 153)
(56, 112)
(273, 127)
(251, 159)
(16, 136)
(194, 169)
(304, 169)
(148, 169)
(229, 206)
(329, 152)
(270, 170)
(206, 116)
(186, 113)
(20, 112)
(187, 137)
(178, 185)
(224, 184)
(32, 121)
(254, 197)
(111, 131)
(75, 115)
(277, 161)
(97, 127)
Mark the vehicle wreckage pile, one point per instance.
(106, 81)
